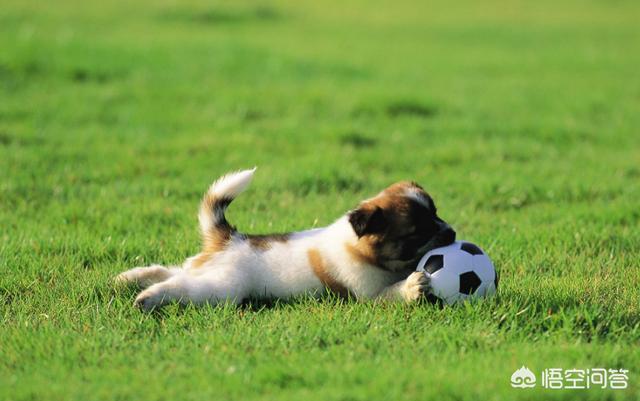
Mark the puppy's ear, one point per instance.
(367, 220)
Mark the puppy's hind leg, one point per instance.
(146, 276)
(217, 286)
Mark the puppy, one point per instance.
(371, 252)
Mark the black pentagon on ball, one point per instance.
(434, 263)
(469, 283)
(471, 248)
(496, 279)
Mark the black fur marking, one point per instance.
(220, 220)
(264, 241)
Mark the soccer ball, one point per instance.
(459, 271)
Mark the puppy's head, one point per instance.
(398, 226)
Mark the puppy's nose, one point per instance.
(447, 235)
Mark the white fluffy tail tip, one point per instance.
(244, 174)
(233, 183)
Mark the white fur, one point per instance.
(416, 195)
(283, 270)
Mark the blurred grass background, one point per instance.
(520, 118)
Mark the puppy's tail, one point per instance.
(215, 228)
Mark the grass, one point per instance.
(520, 118)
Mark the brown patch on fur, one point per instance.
(200, 259)
(361, 253)
(394, 198)
(320, 270)
(219, 234)
(388, 225)
(212, 243)
(264, 242)
(400, 187)
(397, 222)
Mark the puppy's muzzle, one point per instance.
(446, 236)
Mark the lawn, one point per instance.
(522, 119)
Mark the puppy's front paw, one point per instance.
(416, 286)
(148, 300)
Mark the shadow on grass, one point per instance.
(219, 16)
(410, 108)
(327, 299)
(8, 139)
(82, 75)
(397, 109)
(358, 140)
